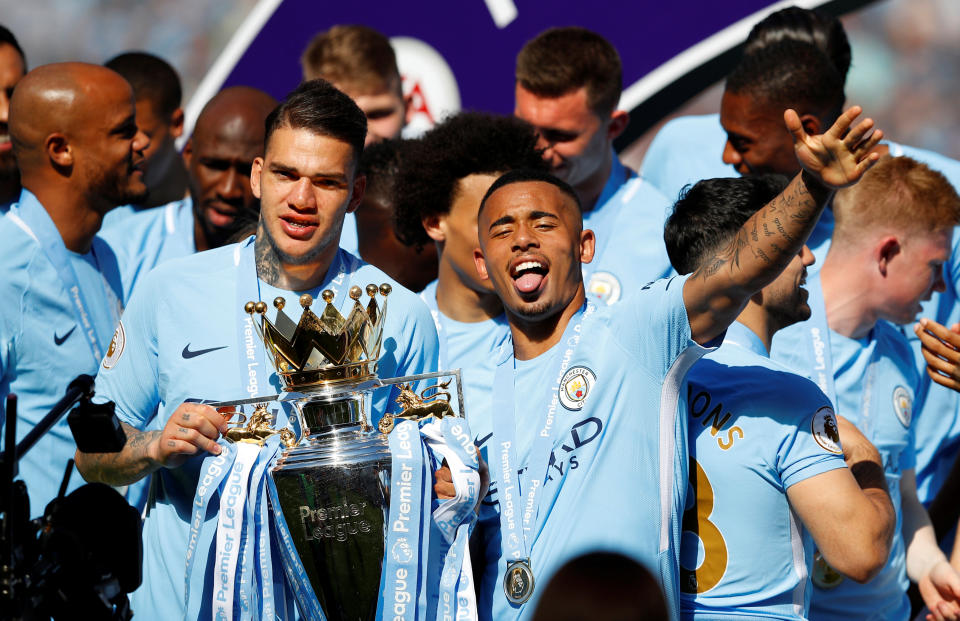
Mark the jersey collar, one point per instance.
(742, 336)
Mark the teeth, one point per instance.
(528, 265)
(4, 137)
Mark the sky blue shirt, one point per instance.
(189, 305)
(875, 381)
(756, 428)
(617, 473)
(628, 223)
(149, 237)
(43, 345)
(349, 240)
(471, 347)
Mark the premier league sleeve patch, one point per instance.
(825, 431)
(117, 344)
(903, 405)
(576, 384)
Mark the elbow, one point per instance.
(862, 563)
(82, 462)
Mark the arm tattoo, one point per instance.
(771, 237)
(128, 466)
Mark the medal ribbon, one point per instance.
(429, 297)
(818, 341)
(518, 531)
(35, 221)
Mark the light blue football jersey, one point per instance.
(348, 235)
(150, 237)
(616, 478)
(5, 207)
(45, 342)
(117, 215)
(755, 429)
(471, 347)
(874, 380)
(185, 337)
(937, 410)
(684, 151)
(628, 223)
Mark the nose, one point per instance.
(939, 284)
(730, 155)
(806, 256)
(301, 195)
(231, 186)
(524, 237)
(140, 141)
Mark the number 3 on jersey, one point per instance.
(697, 524)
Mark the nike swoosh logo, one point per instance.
(187, 354)
(60, 339)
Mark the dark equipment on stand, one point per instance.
(84, 555)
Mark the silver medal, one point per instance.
(518, 582)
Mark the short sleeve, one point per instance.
(128, 374)
(813, 446)
(656, 330)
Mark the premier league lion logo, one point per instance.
(825, 431)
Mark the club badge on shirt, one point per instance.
(576, 384)
(903, 405)
(825, 431)
(116, 347)
(604, 288)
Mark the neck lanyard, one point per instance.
(517, 528)
(429, 297)
(35, 221)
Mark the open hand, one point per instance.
(940, 589)
(837, 158)
(941, 351)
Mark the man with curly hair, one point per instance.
(442, 178)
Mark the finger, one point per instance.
(939, 365)
(444, 474)
(444, 490)
(792, 120)
(203, 418)
(194, 437)
(868, 145)
(947, 382)
(839, 128)
(174, 446)
(861, 129)
(938, 350)
(867, 163)
(955, 328)
(941, 332)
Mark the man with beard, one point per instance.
(589, 430)
(75, 137)
(13, 64)
(157, 91)
(568, 84)
(891, 240)
(764, 437)
(226, 139)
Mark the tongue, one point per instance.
(530, 281)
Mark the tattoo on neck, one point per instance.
(268, 265)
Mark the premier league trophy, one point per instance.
(330, 487)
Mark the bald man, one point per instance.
(75, 137)
(227, 137)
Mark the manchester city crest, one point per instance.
(576, 384)
(604, 288)
(903, 405)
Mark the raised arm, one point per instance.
(716, 293)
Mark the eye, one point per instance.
(555, 136)
(382, 113)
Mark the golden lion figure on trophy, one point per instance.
(258, 428)
(416, 407)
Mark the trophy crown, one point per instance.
(325, 348)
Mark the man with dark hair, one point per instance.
(763, 437)
(415, 266)
(156, 88)
(892, 236)
(227, 137)
(185, 338)
(443, 176)
(585, 399)
(690, 148)
(13, 66)
(568, 83)
(360, 62)
(74, 134)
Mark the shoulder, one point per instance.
(19, 247)
(692, 127)
(948, 166)
(894, 345)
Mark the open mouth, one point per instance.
(5, 143)
(528, 275)
(298, 227)
(220, 215)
